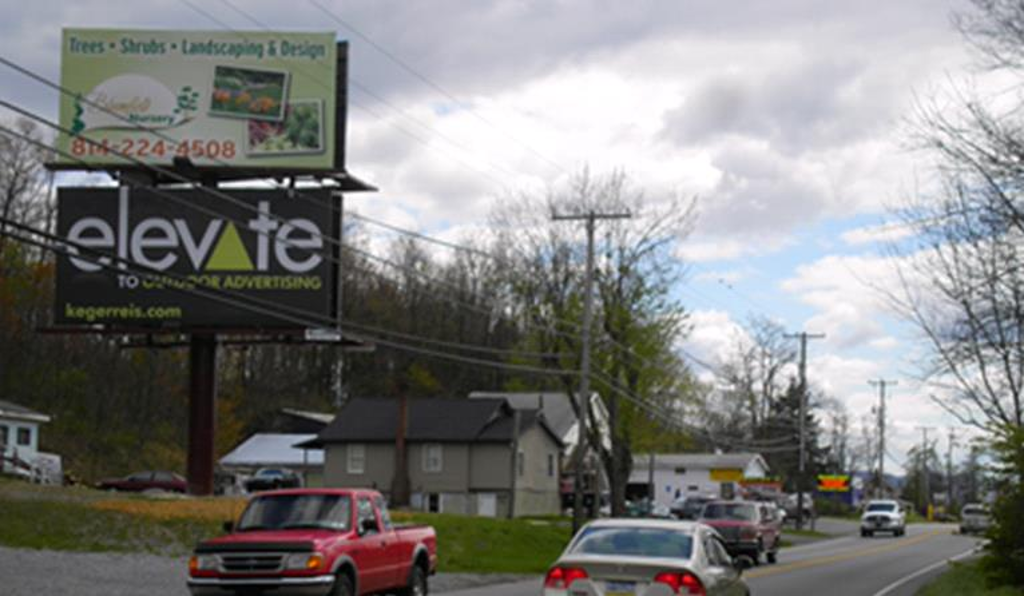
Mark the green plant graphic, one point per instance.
(77, 124)
(188, 101)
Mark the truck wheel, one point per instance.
(343, 586)
(417, 583)
(772, 556)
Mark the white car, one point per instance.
(645, 557)
(883, 516)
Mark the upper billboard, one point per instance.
(222, 99)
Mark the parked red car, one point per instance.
(146, 481)
(748, 528)
(339, 542)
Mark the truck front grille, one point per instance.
(252, 562)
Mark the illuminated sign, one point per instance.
(833, 483)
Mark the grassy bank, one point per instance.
(85, 520)
(965, 579)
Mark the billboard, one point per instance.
(833, 483)
(254, 100)
(259, 260)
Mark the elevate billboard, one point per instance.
(262, 262)
(256, 100)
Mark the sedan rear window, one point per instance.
(638, 542)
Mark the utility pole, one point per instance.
(949, 468)
(583, 399)
(881, 384)
(801, 483)
(925, 489)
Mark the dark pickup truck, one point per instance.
(323, 542)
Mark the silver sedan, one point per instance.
(631, 557)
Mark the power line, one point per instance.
(431, 83)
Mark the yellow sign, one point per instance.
(726, 475)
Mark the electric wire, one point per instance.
(406, 67)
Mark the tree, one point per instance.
(753, 378)
(783, 424)
(961, 282)
(636, 320)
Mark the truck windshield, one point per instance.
(881, 507)
(281, 512)
(734, 511)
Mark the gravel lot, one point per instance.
(26, 572)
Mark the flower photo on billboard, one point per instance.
(301, 131)
(249, 93)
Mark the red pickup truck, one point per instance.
(321, 542)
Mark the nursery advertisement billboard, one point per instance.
(255, 100)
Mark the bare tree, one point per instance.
(24, 183)
(636, 321)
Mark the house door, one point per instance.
(487, 504)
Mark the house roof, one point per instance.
(555, 406)
(700, 461)
(429, 419)
(273, 449)
(13, 410)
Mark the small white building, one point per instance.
(686, 474)
(19, 445)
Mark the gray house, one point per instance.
(459, 454)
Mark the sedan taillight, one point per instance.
(681, 583)
(560, 578)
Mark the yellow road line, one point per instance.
(818, 562)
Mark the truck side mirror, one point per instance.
(229, 527)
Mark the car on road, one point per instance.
(148, 481)
(316, 542)
(748, 528)
(689, 507)
(272, 479)
(975, 518)
(633, 557)
(792, 506)
(883, 516)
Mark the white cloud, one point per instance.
(876, 234)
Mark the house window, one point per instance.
(520, 463)
(356, 453)
(433, 458)
(551, 465)
(24, 436)
(3, 435)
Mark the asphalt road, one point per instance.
(844, 566)
(847, 565)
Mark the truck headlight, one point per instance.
(203, 563)
(305, 562)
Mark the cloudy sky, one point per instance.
(786, 119)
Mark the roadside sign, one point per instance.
(833, 483)
(256, 100)
(262, 262)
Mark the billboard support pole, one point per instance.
(202, 412)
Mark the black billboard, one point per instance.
(188, 258)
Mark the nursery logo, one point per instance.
(133, 100)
